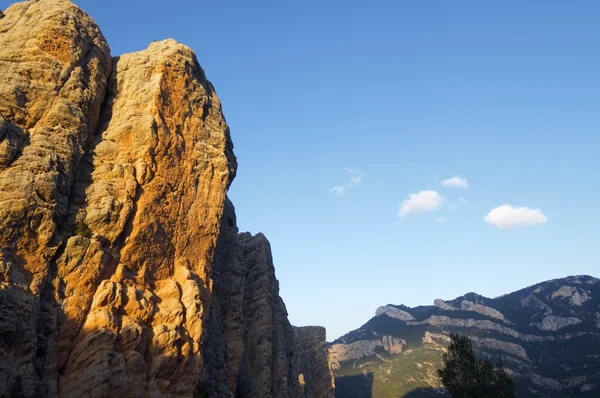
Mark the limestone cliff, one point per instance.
(121, 270)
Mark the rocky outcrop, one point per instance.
(339, 353)
(260, 353)
(439, 303)
(577, 296)
(257, 345)
(263, 354)
(121, 269)
(269, 357)
(466, 305)
(315, 366)
(553, 322)
(502, 346)
(394, 312)
(532, 301)
(54, 65)
(481, 309)
(435, 338)
(563, 291)
(481, 343)
(146, 212)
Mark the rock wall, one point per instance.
(261, 352)
(54, 67)
(134, 278)
(316, 366)
(121, 269)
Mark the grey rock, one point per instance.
(358, 349)
(553, 322)
(315, 362)
(394, 312)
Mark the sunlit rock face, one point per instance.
(394, 312)
(121, 269)
(54, 67)
(546, 335)
(146, 209)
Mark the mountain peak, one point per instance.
(547, 335)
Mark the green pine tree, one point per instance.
(465, 376)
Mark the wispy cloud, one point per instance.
(441, 220)
(456, 182)
(459, 202)
(356, 177)
(420, 202)
(508, 216)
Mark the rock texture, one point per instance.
(553, 322)
(135, 274)
(54, 65)
(394, 312)
(315, 361)
(547, 336)
(122, 273)
(263, 354)
(466, 305)
(358, 349)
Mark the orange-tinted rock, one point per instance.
(54, 64)
(121, 270)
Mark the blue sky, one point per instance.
(404, 94)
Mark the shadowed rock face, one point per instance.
(257, 351)
(312, 349)
(113, 216)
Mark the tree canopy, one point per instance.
(465, 376)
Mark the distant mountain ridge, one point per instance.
(547, 335)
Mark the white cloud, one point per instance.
(459, 202)
(441, 220)
(356, 177)
(508, 216)
(421, 202)
(456, 182)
